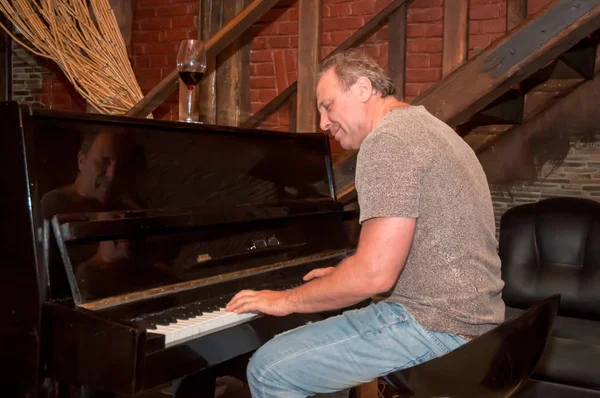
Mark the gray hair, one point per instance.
(352, 64)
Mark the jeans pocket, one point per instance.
(399, 311)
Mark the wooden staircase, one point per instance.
(509, 83)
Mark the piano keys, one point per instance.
(134, 234)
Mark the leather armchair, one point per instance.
(553, 247)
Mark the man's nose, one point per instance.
(325, 123)
(110, 170)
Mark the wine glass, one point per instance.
(191, 64)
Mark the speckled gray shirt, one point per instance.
(414, 165)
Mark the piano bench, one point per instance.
(495, 364)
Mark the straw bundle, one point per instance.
(83, 38)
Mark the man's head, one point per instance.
(98, 161)
(349, 85)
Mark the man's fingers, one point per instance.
(309, 276)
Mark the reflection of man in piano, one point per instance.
(427, 239)
(101, 182)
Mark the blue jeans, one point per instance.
(344, 351)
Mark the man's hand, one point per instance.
(317, 273)
(266, 301)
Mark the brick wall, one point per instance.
(577, 176)
(39, 82)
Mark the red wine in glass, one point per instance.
(191, 65)
(190, 79)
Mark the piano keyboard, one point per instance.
(196, 319)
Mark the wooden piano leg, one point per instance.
(367, 390)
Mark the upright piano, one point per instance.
(123, 239)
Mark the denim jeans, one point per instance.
(344, 351)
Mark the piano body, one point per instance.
(126, 293)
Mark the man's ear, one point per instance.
(365, 88)
(80, 160)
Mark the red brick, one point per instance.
(474, 27)
(186, 21)
(415, 30)
(339, 10)
(151, 73)
(424, 45)
(346, 23)
(293, 13)
(493, 26)
(434, 30)
(381, 4)
(160, 48)
(149, 3)
(485, 12)
(140, 61)
(424, 15)
(427, 3)
(174, 10)
(414, 61)
(278, 42)
(158, 60)
(479, 41)
(330, 24)
(291, 60)
(412, 90)
(175, 35)
(362, 7)
(288, 28)
(263, 69)
(263, 82)
(435, 60)
(267, 29)
(154, 24)
(422, 75)
(145, 13)
(261, 56)
(253, 95)
(144, 36)
(259, 43)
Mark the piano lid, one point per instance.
(137, 204)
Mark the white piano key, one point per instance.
(185, 329)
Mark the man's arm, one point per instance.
(382, 252)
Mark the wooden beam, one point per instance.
(293, 110)
(456, 35)
(513, 154)
(357, 38)
(309, 54)
(214, 46)
(397, 49)
(516, 13)
(479, 86)
(233, 74)
(210, 21)
(5, 61)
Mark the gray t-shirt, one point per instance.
(414, 165)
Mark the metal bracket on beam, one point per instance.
(536, 34)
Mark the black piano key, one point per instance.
(178, 313)
(159, 319)
(194, 309)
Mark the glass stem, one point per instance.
(189, 105)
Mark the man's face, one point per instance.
(341, 111)
(97, 167)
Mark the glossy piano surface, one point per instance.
(139, 231)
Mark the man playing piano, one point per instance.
(427, 240)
